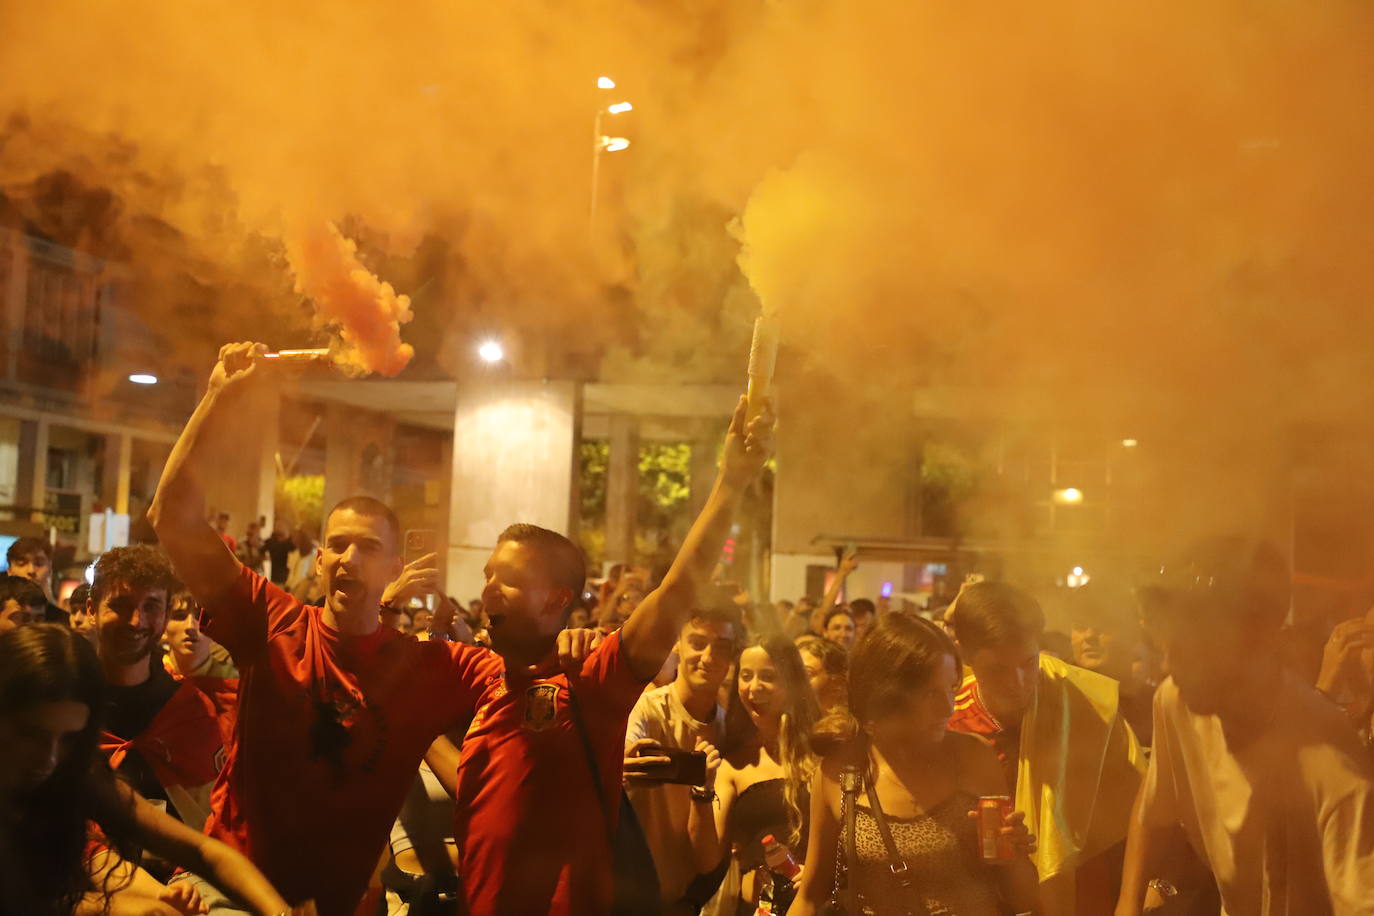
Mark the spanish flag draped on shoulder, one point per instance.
(1079, 767)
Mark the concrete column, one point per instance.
(246, 479)
(115, 481)
(832, 483)
(338, 455)
(622, 488)
(33, 464)
(513, 461)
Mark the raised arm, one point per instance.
(848, 563)
(220, 425)
(653, 628)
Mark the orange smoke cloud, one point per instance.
(365, 311)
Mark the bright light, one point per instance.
(620, 108)
(614, 144)
(491, 352)
(142, 378)
(1078, 578)
(1078, 570)
(1129, 443)
(1069, 496)
(605, 82)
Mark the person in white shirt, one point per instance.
(679, 715)
(1263, 776)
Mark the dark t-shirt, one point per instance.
(128, 713)
(279, 550)
(54, 614)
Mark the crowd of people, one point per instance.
(191, 735)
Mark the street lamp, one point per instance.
(1069, 496)
(143, 378)
(491, 352)
(602, 143)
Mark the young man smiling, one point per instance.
(677, 716)
(164, 736)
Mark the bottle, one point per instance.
(779, 858)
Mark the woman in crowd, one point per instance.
(926, 780)
(54, 785)
(839, 627)
(827, 666)
(761, 784)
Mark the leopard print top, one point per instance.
(940, 850)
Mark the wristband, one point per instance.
(703, 795)
(1164, 888)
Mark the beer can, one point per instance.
(992, 845)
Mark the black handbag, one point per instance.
(847, 855)
(633, 869)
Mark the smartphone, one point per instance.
(684, 768)
(418, 542)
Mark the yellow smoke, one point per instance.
(1159, 208)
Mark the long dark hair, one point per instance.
(794, 729)
(43, 835)
(893, 660)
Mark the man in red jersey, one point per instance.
(538, 782)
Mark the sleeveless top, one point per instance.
(940, 850)
(759, 810)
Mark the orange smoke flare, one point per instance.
(366, 312)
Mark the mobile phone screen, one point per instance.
(418, 542)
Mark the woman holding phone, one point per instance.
(757, 785)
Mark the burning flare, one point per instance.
(366, 311)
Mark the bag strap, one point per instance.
(895, 861)
(849, 782)
(576, 714)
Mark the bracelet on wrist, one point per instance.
(703, 795)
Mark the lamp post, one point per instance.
(602, 143)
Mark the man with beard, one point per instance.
(1264, 777)
(162, 735)
(538, 783)
(1106, 637)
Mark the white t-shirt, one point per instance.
(1286, 822)
(663, 809)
